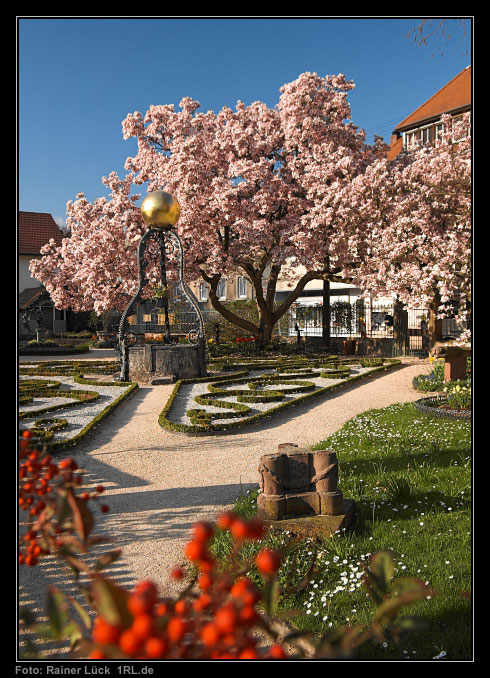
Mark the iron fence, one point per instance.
(359, 319)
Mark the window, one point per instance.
(221, 290)
(411, 138)
(426, 133)
(59, 314)
(439, 130)
(241, 287)
(203, 292)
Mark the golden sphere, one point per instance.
(160, 210)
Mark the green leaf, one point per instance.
(62, 506)
(84, 616)
(45, 631)
(390, 607)
(72, 631)
(382, 567)
(82, 518)
(107, 559)
(372, 586)
(271, 595)
(403, 585)
(111, 602)
(75, 563)
(56, 611)
(411, 624)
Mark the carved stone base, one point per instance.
(167, 362)
(316, 527)
(299, 504)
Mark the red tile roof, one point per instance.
(35, 230)
(29, 296)
(453, 96)
(395, 148)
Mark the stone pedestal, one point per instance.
(299, 491)
(455, 363)
(166, 363)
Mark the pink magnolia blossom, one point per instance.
(411, 224)
(265, 190)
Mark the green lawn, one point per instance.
(410, 475)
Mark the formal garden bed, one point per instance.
(410, 476)
(60, 387)
(248, 391)
(408, 472)
(52, 347)
(448, 399)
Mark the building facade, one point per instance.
(35, 308)
(424, 124)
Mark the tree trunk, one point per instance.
(268, 316)
(326, 314)
(435, 324)
(265, 330)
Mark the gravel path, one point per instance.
(158, 483)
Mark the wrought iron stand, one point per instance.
(126, 339)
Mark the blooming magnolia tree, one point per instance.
(410, 223)
(95, 268)
(256, 188)
(256, 185)
(264, 191)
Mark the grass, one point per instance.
(410, 475)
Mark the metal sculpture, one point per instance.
(160, 211)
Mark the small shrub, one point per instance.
(458, 396)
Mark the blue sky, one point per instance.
(78, 78)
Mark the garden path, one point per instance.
(158, 483)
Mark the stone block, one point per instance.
(316, 527)
(331, 503)
(271, 507)
(302, 504)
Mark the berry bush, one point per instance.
(220, 612)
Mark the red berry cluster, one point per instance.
(37, 473)
(211, 621)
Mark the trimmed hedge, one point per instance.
(54, 350)
(86, 397)
(49, 388)
(96, 420)
(69, 367)
(208, 427)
